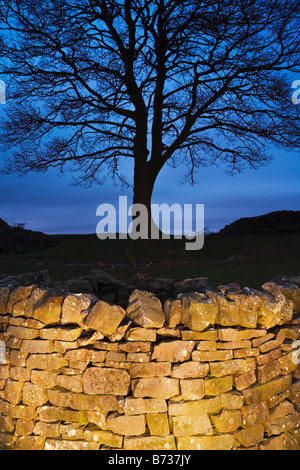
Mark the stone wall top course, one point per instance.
(205, 370)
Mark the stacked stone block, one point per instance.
(212, 371)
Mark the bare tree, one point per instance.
(91, 83)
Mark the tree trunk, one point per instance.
(144, 182)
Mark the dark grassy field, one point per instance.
(246, 259)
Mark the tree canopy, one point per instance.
(91, 83)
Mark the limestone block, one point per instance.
(236, 309)
(90, 337)
(137, 406)
(244, 380)
(155, 387)
(98, 417)
(193, 408)
(250, 436)
(115, 356)
(292, 292)
(43, 378)
(285, 424)
(13, 342)
(190, 370)
(198, 312)
(63, 346)
(227, 421)
(104, 318)
(48, 309)
(173, 351)
(106, 438)
(191, 426)
(282, 409)
(256, 413)
(282, 442)
(132, 425)
(61, 333)
(165, 443)
(235, 366)
(106, 381)
(268, 371)
(219, 385)
(141, 334)
(135, 346)
(268, 357)
(263, 392)
(173, 312)
(31, 322)
(70, 382)
(248, 308)
(4, 371)
(48, 362)
(145, 310)
(275, 308)
(20, 293)
(235, 334)
(287, 363)
(18, 411)
(18, 309)
(232, 400)
(269, 345)
(156, 369)
(75, 308)
(46, 429)
(60, 444)
(4, 294)
(211, 356)
(50, 414)
(207, 346)
(80, 401)
(30, 443)
(85, 354)
(208, 335)
(192, 389)
(119, 333)
(35, 296)
(17, 358)
(6, 424)
(38, 346)
(24, 427)
(217, 442)
(247, 352)
(20, 373)
(256, 342)
(71, 431)
(21, 332)
(190, 285)
(244, 344)
(33, 395)
(13, 391)
(158, 424)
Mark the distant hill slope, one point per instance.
(19, 240)
(273, 222)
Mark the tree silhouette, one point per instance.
(91, 83)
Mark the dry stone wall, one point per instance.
(212, 370)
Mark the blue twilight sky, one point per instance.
(47, 202)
